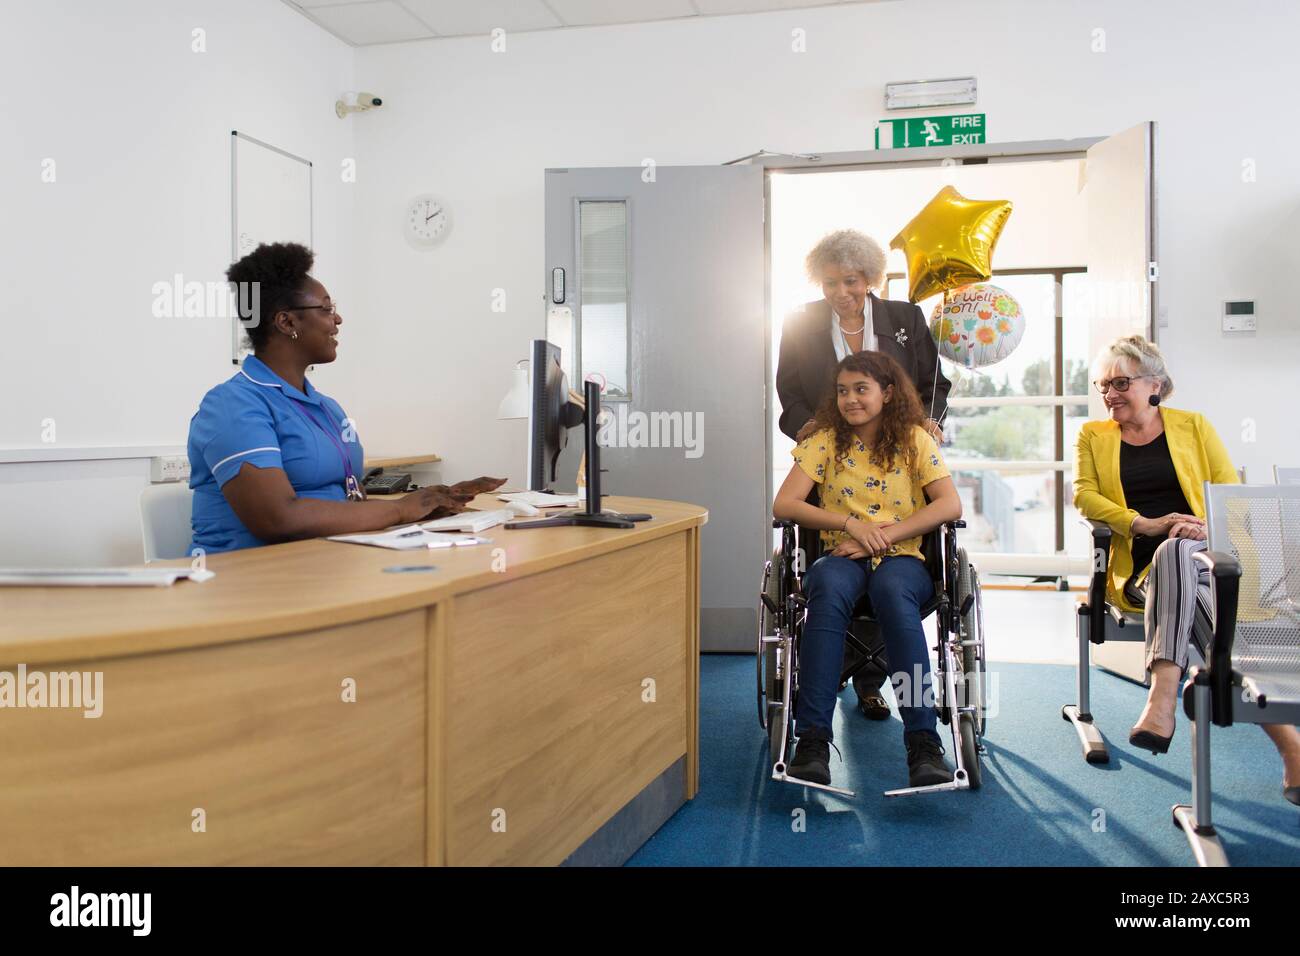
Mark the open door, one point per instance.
(661, 302)
(1122, 271)
(1121, 241)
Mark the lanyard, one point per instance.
(350, 484)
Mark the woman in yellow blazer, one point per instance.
(1142, 472)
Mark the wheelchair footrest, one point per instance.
(959, 782)
(786, 778)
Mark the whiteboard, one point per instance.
(270, 199)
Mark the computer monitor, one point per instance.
(549, 419)
(550, 415)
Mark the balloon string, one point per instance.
(934, 388)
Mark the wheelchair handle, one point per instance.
(782, 523)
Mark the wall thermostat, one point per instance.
(1239, 316)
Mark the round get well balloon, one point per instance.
(977, 325)
(950, 242)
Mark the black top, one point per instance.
(1146, 473)
(805, 370)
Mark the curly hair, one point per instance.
(277, 271)
(847, 249)
(898, 417)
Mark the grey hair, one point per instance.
(1143, 354)
(848, 249)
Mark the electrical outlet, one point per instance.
(165, 468)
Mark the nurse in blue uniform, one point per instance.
(271, 458)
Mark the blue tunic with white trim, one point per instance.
(258, 418)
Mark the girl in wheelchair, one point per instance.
(876, 467)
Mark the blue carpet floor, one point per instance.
(1040, 804)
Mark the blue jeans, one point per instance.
(897, 589)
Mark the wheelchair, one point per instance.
(959, 678)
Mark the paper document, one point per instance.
(410, 538)
(99, 577)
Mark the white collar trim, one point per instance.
(256, 382)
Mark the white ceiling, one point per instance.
(369, 22)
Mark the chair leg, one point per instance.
(1195, 821)
(1080, 714)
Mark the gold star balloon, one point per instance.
(950, 242)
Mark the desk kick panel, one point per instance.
(256, 735)
(560, 731)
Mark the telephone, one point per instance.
(376, 482)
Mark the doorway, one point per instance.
(1011, 427)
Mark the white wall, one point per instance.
(479, 128)
(139, 128)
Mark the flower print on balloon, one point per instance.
(977, 325)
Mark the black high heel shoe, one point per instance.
(1146, 740)
(1292, 794)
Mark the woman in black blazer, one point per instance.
(850, 318)
(848, 265)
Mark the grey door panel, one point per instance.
(696, 347)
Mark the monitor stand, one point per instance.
(593, 516)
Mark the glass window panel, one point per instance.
(1007, 433)
(1008, 512)
(602, 278)
(1074, 355)
(1074, 345)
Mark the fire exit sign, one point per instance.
(930, 131)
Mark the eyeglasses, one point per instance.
(1120, 384)
(331, 311)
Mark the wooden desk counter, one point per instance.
(306, 707)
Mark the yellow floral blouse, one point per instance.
(862, 488)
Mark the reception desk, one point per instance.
(531, 701)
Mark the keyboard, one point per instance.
(471, 521)
(541, 499)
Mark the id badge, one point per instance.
(354, 490)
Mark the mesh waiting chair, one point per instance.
(165, 521)
(1252, 671)
(1097, 622)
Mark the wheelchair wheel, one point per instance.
(765, 655)
(765, 627)
(970, 751)
(777, 716)
(972, 636)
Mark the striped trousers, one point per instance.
(1179, 603)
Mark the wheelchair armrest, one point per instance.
(1101, 535)
(1226, 572)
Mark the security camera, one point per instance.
(356, 103)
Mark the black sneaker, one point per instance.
(812, 761)
(925, 763)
